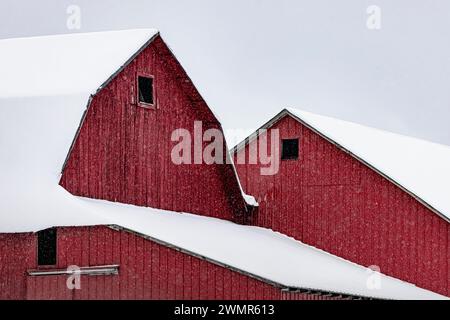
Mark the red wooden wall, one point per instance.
(330, 200)
(148, 270)
(123, 151)
(16, 255)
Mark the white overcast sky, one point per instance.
(251, 58)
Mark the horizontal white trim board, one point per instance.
(90, 271)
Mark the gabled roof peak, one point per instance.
(419, 167)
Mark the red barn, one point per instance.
(94, 207)
(369, 196)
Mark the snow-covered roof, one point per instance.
(258, 251)
(67, 63)
(255, 251)
(420, 167)
(37, 127)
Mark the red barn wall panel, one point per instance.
(148, 270)
(332, 201)
(16, 254)
(123, 150)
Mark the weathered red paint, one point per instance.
(147, 270)
(15, 257)
(332, 201)
(123, 151)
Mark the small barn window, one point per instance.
(145, 90)
(289, 149)
(47, 247)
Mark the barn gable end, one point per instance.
(122, 152)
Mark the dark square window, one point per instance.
(145, 88)
(289, 149)
(47, 247)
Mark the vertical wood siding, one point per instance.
(16, 254)
(148, 270)
(123, 151)
(330, 200)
